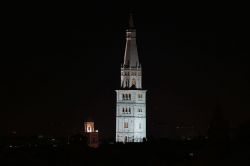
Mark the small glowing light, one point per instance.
(191, 154)
(40, 136)
(96, 131)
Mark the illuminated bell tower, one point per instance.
(89, 127)
(131, 98)
(91, 134)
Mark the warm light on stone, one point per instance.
(91, 134)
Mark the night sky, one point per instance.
(61, 65)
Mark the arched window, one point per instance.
(126, 139)
(127, 83)
(133, 82)
(123, 96)
(123, 110)
(126, 96)
(129, 110)
(129, 96)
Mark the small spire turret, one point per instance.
(131, 21)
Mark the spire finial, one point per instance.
(131, 21)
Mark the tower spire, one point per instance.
(131, 58)
(131, 21)
(131, 97)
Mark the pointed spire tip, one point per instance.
(131, 21)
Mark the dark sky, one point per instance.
(60, 64)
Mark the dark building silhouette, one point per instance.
(218, 128)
